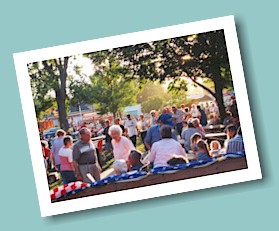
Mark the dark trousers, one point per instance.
(68, 176)
(143, 135)
(134, 140)
(179, 127)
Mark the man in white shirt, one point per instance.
(131, 129)
(178, 116)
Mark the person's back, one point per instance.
(187, 134)
(56, 146)
(236, 144)
(203, 117)
(163, 150)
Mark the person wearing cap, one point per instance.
(163, 150)
(153, 134)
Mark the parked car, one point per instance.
(50, 132)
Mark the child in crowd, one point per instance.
(120, 166)
(194, 139)
(66, 158)
(176, 160)
(134, 160)
(215, 148)
(203, 152)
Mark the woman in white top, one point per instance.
(122, 146)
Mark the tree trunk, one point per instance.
(63, 120)
(61, 93)
(220, 100)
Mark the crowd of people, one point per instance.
(168, 139)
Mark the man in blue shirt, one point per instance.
(153, 133)
(203, 117)
(236, 144)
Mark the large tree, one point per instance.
(196, 57)
(47, 76)
(110, 89)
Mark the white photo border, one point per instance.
(252, 173)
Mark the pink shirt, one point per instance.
(66, 159)
(163, 150)
(122, 149)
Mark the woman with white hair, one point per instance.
(119, 167)
(122, 146)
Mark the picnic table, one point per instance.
(214, 128)
(215, 135)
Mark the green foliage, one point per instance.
(152, 103)
(47, 77)
(152, 89)
(109, 89)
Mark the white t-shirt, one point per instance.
(131, 126)
(122, 149)
(66, 152)
(195, 112)
(163, 150)
(142, 125)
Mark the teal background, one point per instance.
(28, 25)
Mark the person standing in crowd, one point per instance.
(187, 134)
(213, 119)
(122, 146)
(153, 119)
(229, 119)
(131, 129)
(118, 122)
(166, 110)
(236, 144)
(84, 154)
(108, 139)
(188, 114)
(233, 108)
(194, 111)
(57, 144)
(202, 117)
(46, 153)
(182, 107)
(66, 158)
(142, 128)
(206, 109)
(178, 116)
(213, 109)
(153, 133)
(163, 150)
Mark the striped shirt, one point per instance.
(235, 145)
